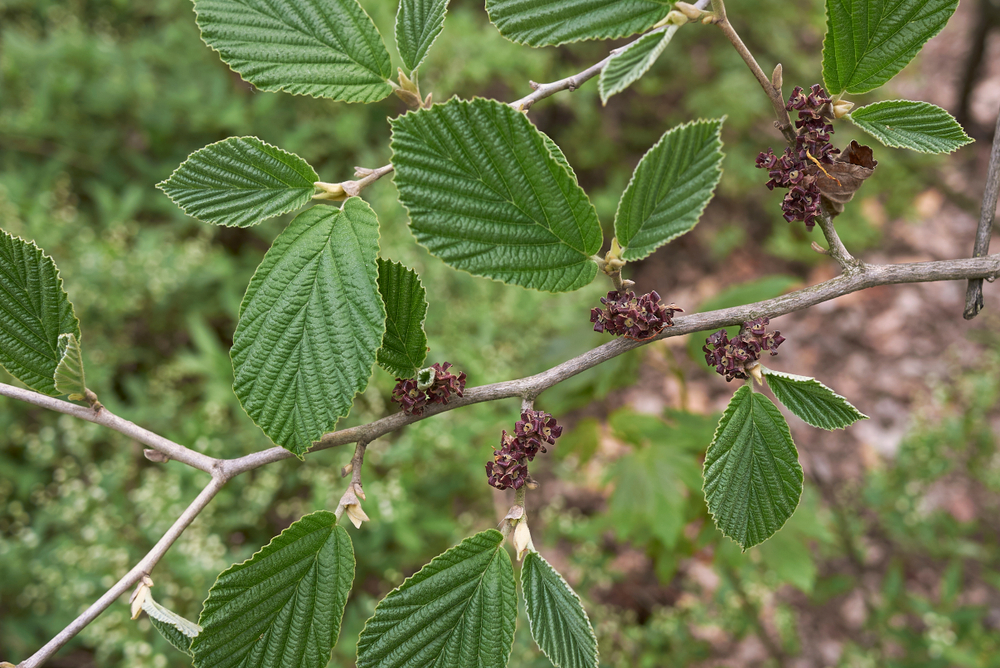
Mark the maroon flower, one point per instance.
(434, 384)
(445, 384)
(509, 467)
(625, 315)
(410, 398)
(733, 358)
(799, 169)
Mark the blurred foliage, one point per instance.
(101, 99)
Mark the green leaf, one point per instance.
(239, 182)
(69, 377)
(323, 48)
(310, 325)
(491, 195)
(34, 311)
(753, 480)
(418, 24)
(281, 608)
(552, 22)
(627, 66)
(559, 624)
(918, 126)
(404, 346)
(671, 186)
(869, 41)
(459, 611)
(177, 630)
(812, 401)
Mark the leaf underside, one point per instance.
(869, 41)
(812, 401)
(559, 624)
(404, 346)
(753, 480)
(177, 630)
(282, 608)
(553, 22)
(918, 126)
(322, 48)
(418, 24)
(458, 611)
(34, 311)
(310, 325)
(629, 65)
(491, 195)
(670, 188)
(69, 377)
(239, 182)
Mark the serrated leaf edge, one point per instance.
(667, 35)
(429, 46)
(718, 167)
(715, 437)
(803, 379)
(42, 255)
(281, 89)
(571, 171)
(920, 103)
(531, 622)
(161, 184)
(666, 5)
(423, 319)
(404, 582)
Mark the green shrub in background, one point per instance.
(97, 99)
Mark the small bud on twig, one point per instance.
(522, 539)
(776, 80)
(841, 108)
(155, 456)
(346, 470)
(690, 11)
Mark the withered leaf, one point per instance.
(843, 178)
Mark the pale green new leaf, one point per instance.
(869, 41)
(918, 126)
(69, 377)
(490, 194)
(177, 630)
(239, 182)
(282, 607)
(310, 325)
(626, 67)
(753, 480)
(812, 401)
(404, 345)
(418, 24)
(323, 48)
(559, 624)
(34, 311)
(552, 22)
(459, 611)
(671, 186)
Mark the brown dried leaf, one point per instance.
(843, 178)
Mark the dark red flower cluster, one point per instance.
(797, 169)
(641, 318)
(732, 358)
(434, 385)
(532, 432)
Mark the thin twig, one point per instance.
(131, 578)
(108, 419)
(838, 251)
(974, 293)
(784, 123)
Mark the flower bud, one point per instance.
(841, 108)
(690, 11)
(522, 539)
(330, 191)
